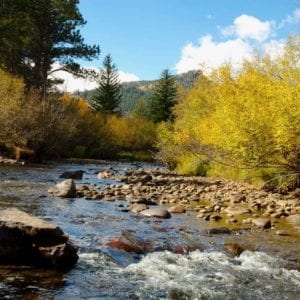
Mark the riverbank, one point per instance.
(207, 269)
(236, 203)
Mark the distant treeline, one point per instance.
(132, 92)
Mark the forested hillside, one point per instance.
(133, 91)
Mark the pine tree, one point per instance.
(37, 35)
(108, 94)
(163, 98)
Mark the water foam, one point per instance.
(214, 275)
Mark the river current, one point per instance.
(269, 271)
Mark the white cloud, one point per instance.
(127, 77)
(210, 17)
(246, 35)
(294, 18)
(250, 27)
(211, 54)
(72, 83)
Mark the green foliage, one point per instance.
(163, 98)
(35, 34)
(242, 123)
(108, 94)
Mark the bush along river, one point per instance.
(136, 231)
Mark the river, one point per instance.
(271, 271)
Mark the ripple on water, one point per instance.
(214, 275)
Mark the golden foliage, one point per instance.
(241, 120)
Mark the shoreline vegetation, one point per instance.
(235, 122)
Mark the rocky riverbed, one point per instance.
(237, 204)
(145, 233)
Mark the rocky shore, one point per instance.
(229, 203)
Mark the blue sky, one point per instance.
(146, 36)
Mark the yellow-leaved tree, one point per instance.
(241, 123)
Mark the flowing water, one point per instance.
(271, 271)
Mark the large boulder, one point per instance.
(27, 240)
(72, 174)
(64, 189)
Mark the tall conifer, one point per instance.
(163, 98)
(108, 94)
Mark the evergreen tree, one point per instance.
(36, 34)
(108, 94)
(163, 98)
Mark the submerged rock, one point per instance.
(72, 174)
(219, 230)
(64, 189)
(234, 249)
(27, 240)
(156, 212)
(128, 243)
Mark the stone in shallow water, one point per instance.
(262, 223)
(128, 243)
(72, 174)
(177, 209)
(138, 207)
(64, 189)
(219, 230)
(27, 240)
(156, 212)
(234, 249)
(237, 210)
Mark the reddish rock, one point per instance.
(234, 249)
(177, 209)
(128, 243)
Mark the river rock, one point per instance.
(64, 189)
(237, 210)
(262, 223)
(234, 249)
(27, 240)
(105, 175)
(138, 207)
(157, 212)
(177, 209)
(127, 242)
(72, 175)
